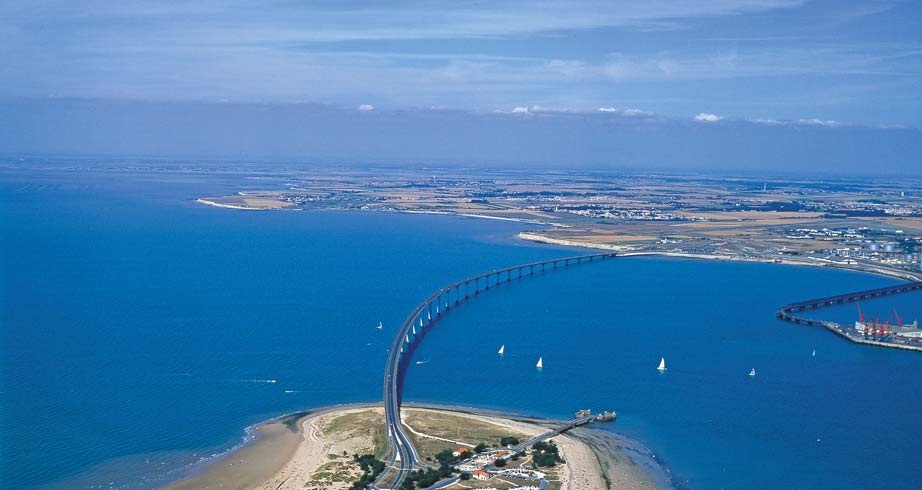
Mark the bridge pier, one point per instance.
(403, 456)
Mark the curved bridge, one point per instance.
(404, 457)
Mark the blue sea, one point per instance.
(138, 332)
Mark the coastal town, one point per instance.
(849, 223)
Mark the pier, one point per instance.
(792, 312)
(403, 455)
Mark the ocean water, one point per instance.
(139, 330)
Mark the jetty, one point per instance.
(793, 313)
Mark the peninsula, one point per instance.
(335, 448)
(873, 225)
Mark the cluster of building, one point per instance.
(628, 214)
(480, 467)
(479, 461)
(888, 247)
(865, 207)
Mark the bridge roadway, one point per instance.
(791, 312)
(403, 455)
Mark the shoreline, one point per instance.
(290, 447)
(228, 206)
(645, 462)
(625, 251)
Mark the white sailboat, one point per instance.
(662, 364)
(414, 330)
(753, 372)
(380, 325)
(814, 352)
(540, 364)
(502, 349)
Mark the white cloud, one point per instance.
(637, 113)
(770, 122)
(607, 109)
(520, 110)
(819, 122)
(366, 107)
(705, 117)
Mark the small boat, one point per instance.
(380, 325)
(502, 349)
(753, 372)
(540, 364)
(662, 364)
(814, 352)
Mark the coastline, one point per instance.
(602, 451)
(290, 450)
(625, 251)
(228, 206)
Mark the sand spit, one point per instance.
(314, 450)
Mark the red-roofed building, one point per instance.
(480, 475)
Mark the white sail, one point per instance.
(428, 316)
(753, 372)
(502, 349)
(408, 338)
(420, 321)
(814, 352)
(540, 363)
(414, 330)
(662, 364)
(380, 325)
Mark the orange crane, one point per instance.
(899, 320)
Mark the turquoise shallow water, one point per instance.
(138, 329)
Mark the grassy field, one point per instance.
(453, 428)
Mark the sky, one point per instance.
(772, 69)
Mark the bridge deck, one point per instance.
(404, 457)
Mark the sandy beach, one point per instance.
(314, 450)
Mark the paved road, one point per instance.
(542, 484)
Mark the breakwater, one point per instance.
(792, 313)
